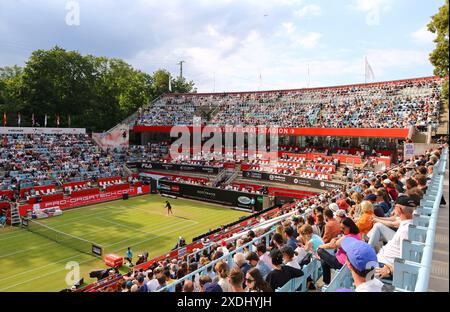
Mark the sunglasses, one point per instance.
(250, 280)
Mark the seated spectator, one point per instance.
(365, 221)
(404, 208)
(222, 276)
(236, 280)
(255, 262)
(289, 257)
(362, 260)
(241, 263)
(332, 227)
(330, 261)
(281, 274)
(255, 281)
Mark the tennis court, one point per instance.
(31, 262)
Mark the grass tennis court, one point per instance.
(30, 262)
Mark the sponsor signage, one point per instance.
(408, 152)
(71, 202)
(29, 130)
(278, 178)
(399, 133)
(175, 167)
(215, 195)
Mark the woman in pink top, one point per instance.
(336, 261)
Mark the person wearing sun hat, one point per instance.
(362, 261)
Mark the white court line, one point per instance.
(84, 237)
(40, 276)
(19, 233)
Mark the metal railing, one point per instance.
(412, 271)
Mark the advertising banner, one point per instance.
(278, 178)
(215, 195)
(71, 202)
(175, 167)
(29, 130)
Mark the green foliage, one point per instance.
(439, 57)
(97, 92)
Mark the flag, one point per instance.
(368, 71)
(45, 120)
(68, 120)
(170, 85)
(18, 119)
(32, 120)
(4, 119)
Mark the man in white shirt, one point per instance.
(362, 261)
(404, 208)
(152, 284)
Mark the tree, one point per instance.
(97, 92)
(439, 57)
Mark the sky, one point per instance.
(233, 45)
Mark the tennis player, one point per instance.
(169, 207)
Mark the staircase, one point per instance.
(15, 216)
(443, 122)
(232, 177)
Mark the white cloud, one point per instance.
(309, 40)
(288, 27)
(422, 35)
(308, 10)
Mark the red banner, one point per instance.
(398, 133)
(71, 202)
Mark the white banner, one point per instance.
(117, 138)
(408, 151)
(24, 130)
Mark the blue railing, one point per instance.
(228, 258)
(412, 271)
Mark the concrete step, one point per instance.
(441, 256)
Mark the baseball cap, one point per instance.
(406, 201)
(341, 213)
(387, 181)
(361, 255)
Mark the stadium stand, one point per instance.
(298, 225)
(396, 104)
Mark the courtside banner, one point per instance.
(87, 200)
(175, 167)
(398, 133)
(214, 195)
(25, 130)
(278, 178)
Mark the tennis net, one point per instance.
(65, 239)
